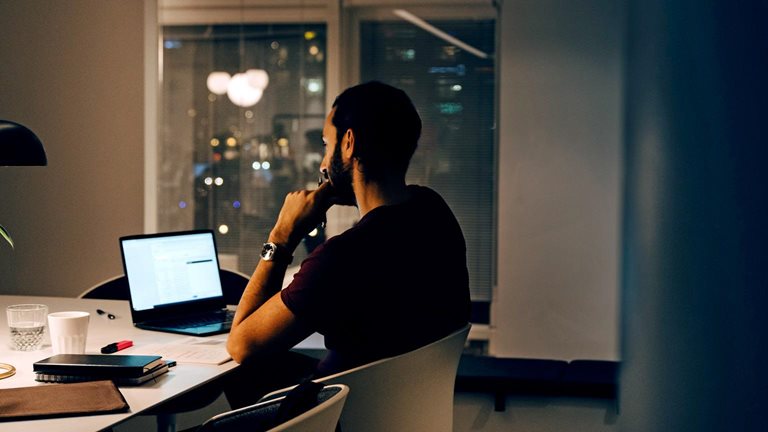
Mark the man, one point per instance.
(395, 281)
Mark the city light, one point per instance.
(223, 229)
(208, 181)
(314, 85)
(219, 181)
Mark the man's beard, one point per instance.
(341, 180)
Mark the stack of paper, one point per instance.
(191, 350)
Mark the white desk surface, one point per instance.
(101, 331)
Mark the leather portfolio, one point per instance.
(61, 400)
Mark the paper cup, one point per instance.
(68, 331)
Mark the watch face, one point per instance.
(268, 251)
(272, 252)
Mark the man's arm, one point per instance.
(263, 323)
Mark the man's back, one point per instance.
(395, 281)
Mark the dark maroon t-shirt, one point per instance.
(395, 281)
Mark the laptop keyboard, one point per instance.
(200, 320)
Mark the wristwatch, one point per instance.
(273, 252)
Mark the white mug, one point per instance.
(68, 331)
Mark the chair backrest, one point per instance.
(323, 417)
(115, 288)
(410, 392)
(233, 284)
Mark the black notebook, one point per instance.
(104, 366)
(121, 381)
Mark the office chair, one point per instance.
(114, 288)
(408, 392)
(233, 284)
(321, 414)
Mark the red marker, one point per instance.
(117, 346)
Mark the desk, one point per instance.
(101, 331)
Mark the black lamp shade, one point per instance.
(20, 146)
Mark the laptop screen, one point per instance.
(171, 268)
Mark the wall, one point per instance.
(559, 186)
(74, 73)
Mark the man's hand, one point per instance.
(302, 211)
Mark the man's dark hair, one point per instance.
(385, 123)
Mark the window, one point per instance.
(227, 157)
(226, 164)
(453, 90)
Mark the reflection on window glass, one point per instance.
(242, 116)
(453, 90)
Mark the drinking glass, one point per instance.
(27, 325)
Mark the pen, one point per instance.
(109, 315)
(116, 346)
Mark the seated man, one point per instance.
(393, 282)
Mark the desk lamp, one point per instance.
(18, 146)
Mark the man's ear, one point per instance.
(348, 147)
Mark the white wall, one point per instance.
(559, 186)
(72, 71)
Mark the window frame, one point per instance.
(342, 19)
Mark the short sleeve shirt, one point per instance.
(395, 281)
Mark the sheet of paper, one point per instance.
(191, 350)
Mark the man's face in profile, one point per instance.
(339, 172)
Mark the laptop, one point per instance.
(174, 283)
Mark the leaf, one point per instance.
(6, 235)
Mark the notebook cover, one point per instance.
(100, 365)
(121, 381)
(61, 400)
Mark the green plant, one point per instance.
(6, 235)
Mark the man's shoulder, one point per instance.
(420, 195)
(422, 192)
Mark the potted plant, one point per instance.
(4, 233)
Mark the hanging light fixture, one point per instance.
(241, 93)
(217, 82)
(243, 89)
(257, 78)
